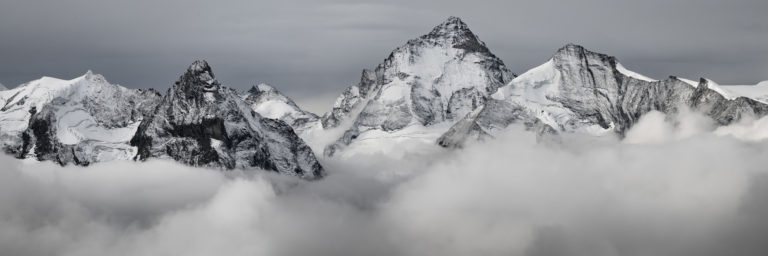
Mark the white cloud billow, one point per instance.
(672, 187)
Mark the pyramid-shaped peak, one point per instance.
(262, 87)
(453, 32)
(451, 27)
(453, 22)
(265, 87)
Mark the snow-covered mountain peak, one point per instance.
(429, 82)
(262, 87)
(588, 92)
(2, 87)
(452, 33)
(81, 120)
(265, 91)
(270, 103)
(451, 27)
(93, 77)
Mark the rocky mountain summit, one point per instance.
(421, 89)
(582, 91)
(202, 123)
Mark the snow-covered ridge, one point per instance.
(82, 120)
(757, 92)
(431, 81)
(586, 92)
(36, 94)
(633, 74)
(270, 103)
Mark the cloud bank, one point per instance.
(668, 189)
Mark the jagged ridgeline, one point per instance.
(586, 92)
(442, 88)
(198, 122)
(446, 86)
(202, 123)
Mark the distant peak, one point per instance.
(265, 87)
(262, 87)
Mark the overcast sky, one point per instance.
(313, 49)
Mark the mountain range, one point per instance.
(443, 88)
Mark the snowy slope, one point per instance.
(420, 90)
(2, 87)
(586, 92)
(270, 103)
(80, 121)
(757, 92)
(633, 74)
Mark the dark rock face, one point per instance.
(201, 123)
(585, 89)
(436, 78)
(494, 115)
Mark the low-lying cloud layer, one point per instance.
(668, 189)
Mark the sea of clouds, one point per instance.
(676, 185)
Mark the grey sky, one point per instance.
(312, 49)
